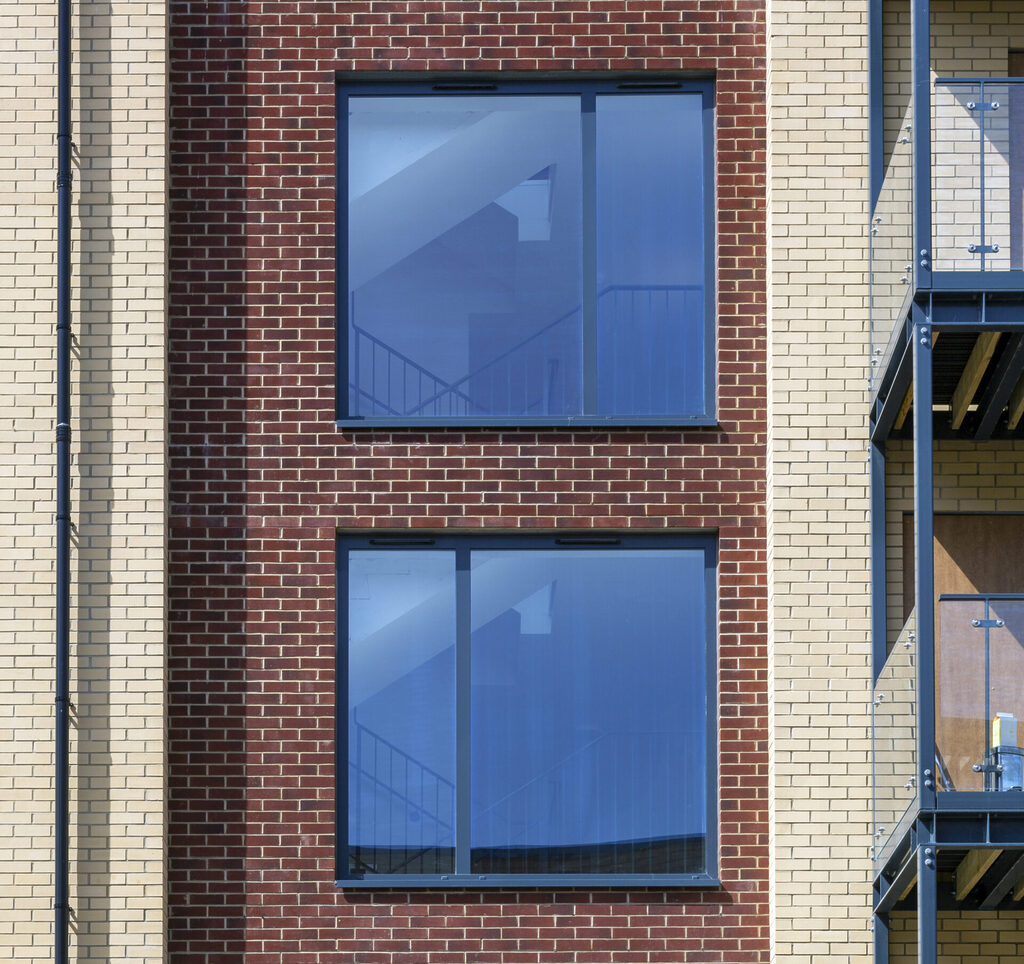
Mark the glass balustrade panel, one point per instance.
(894, 736)
(891, 246)
(978, 176)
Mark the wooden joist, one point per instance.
(908, 399)
(901, 417)
(972, 868)
(973, 373)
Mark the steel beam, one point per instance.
(924, 555)
(881, 935)
(876, 103)
(879, 628)
(900, 886)
(889, 410)
(920, 48)
(927, 903)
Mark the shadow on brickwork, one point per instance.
(206, 576)
(93, 756)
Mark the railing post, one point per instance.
(927, 896)
(879, 629)
(924, 574)
(876, 103)
(920, 28)
(880, 928)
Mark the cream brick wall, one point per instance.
(118, 487)
(818, 505)
(967, 937)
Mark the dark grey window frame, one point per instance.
(462, 545)
(586, 84)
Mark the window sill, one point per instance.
(473, 881)
(569, 421)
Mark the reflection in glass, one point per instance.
(650, 254)
(464, 255)
(401, 722)
(588, 711)
(979, 701)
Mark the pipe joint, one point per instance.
(63, 432)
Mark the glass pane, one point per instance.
(960, 700)
(1005, 715)
(650, 254)
(464, 255)
(401, 722)
(891, 247)
(894, 739)
(957, 178)
(1001, 177)
(588, 711)
(1014, 95)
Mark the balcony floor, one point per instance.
(977, 368)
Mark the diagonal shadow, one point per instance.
(206, 576)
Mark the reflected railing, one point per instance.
(405, 803)
(979, 699)
(891, 246)
(540, 374)
(894, 738)
(978, 175)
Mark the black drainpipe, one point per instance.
(62, 909)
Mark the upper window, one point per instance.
(526, 709)
(527, 253)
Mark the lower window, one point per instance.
(524, 709)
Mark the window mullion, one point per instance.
(463, 680)
(588, 249)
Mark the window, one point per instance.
(526, 253)
(526, 709)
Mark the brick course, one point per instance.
(261, 480)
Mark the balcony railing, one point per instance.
(891, 245)
(978, 707)
(979, 666)
(894, 739)
(977, 188)
(977, 175)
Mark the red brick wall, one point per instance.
(261, 480)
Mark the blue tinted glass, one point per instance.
(464, 255)
(588, 711)
(651, 257)
(401, 722)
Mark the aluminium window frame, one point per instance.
(586, 84)
(462, 545)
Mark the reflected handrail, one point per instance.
(450, 397)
